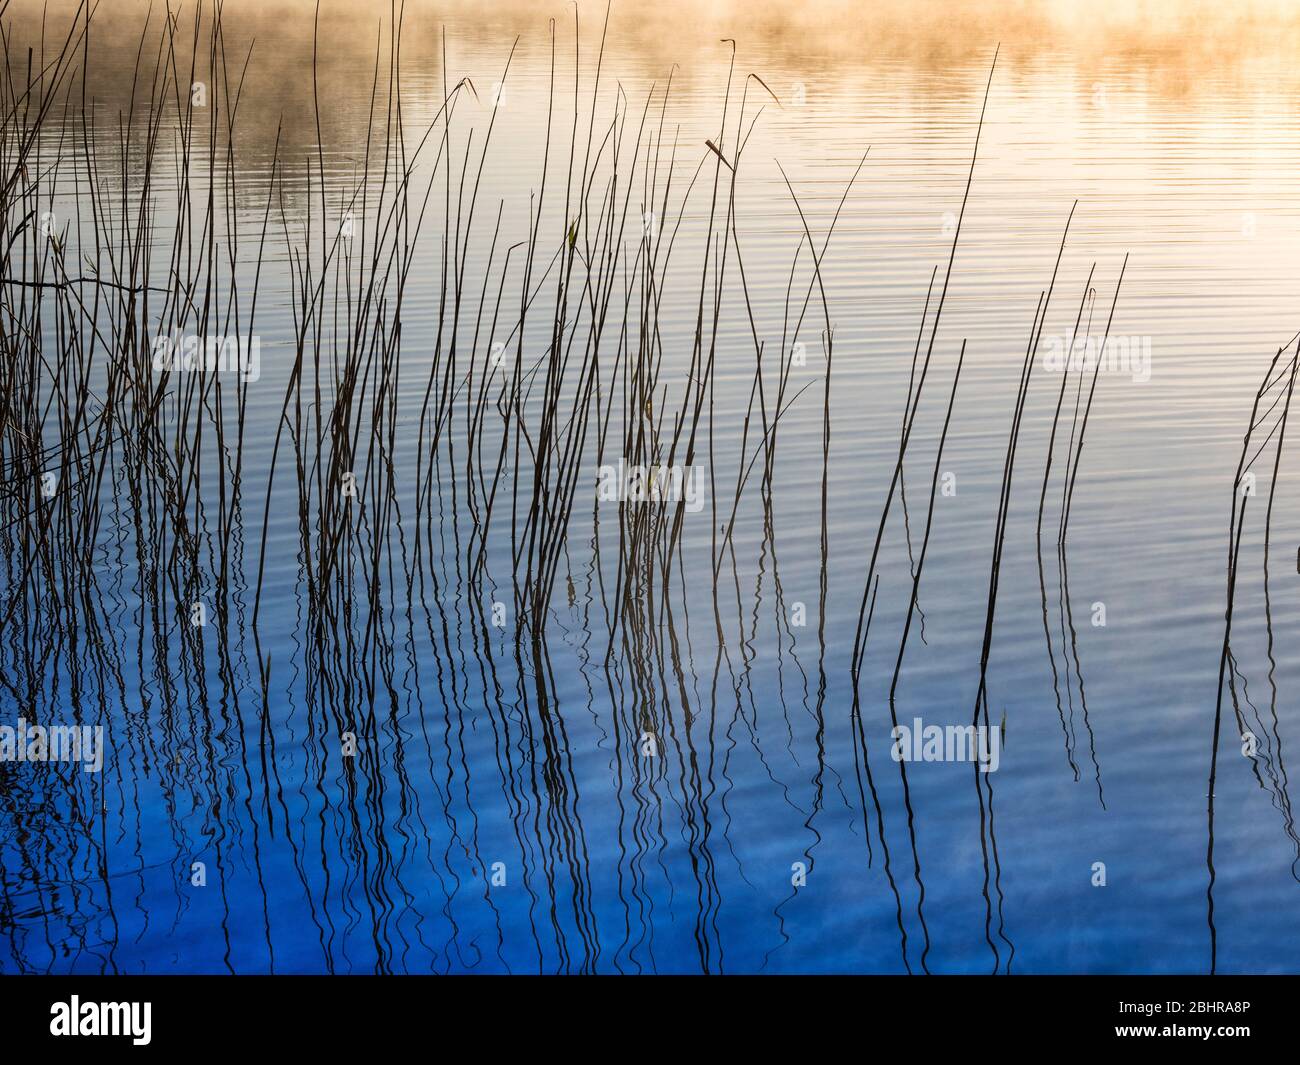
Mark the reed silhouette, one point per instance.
(366, 642)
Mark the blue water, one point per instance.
(500, 812)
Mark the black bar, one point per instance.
(544, 1015)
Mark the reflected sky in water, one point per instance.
(447, 710)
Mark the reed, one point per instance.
(424, 517)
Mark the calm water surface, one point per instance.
(502, 812)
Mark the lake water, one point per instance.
(423, 702)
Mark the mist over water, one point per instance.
(645, 426)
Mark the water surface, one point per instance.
(662, 761)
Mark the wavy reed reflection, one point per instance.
(387, 685)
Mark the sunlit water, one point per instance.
(494, 822)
